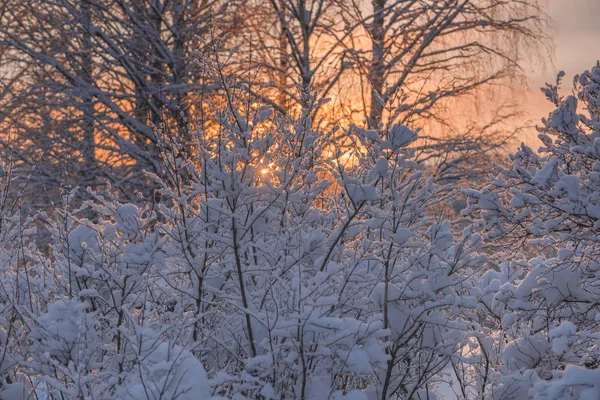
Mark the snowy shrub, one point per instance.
(64, 347)
(546, 206)
(281, 260)
(164, 371)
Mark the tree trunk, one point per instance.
(283, 58)
(377, 67)
(90, 168)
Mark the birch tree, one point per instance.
(106, 73)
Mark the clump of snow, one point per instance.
(400, 136)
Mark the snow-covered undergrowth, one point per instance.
(546, 299)
(277, 263)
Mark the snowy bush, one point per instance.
(280, 258)
(280, 261)
(546, 206)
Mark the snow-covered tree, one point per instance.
(540, 216)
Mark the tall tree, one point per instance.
(390, 61)
(420, 53)
(298, 47)
(108, 72)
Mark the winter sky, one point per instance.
(577, 48)
(577, 33)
